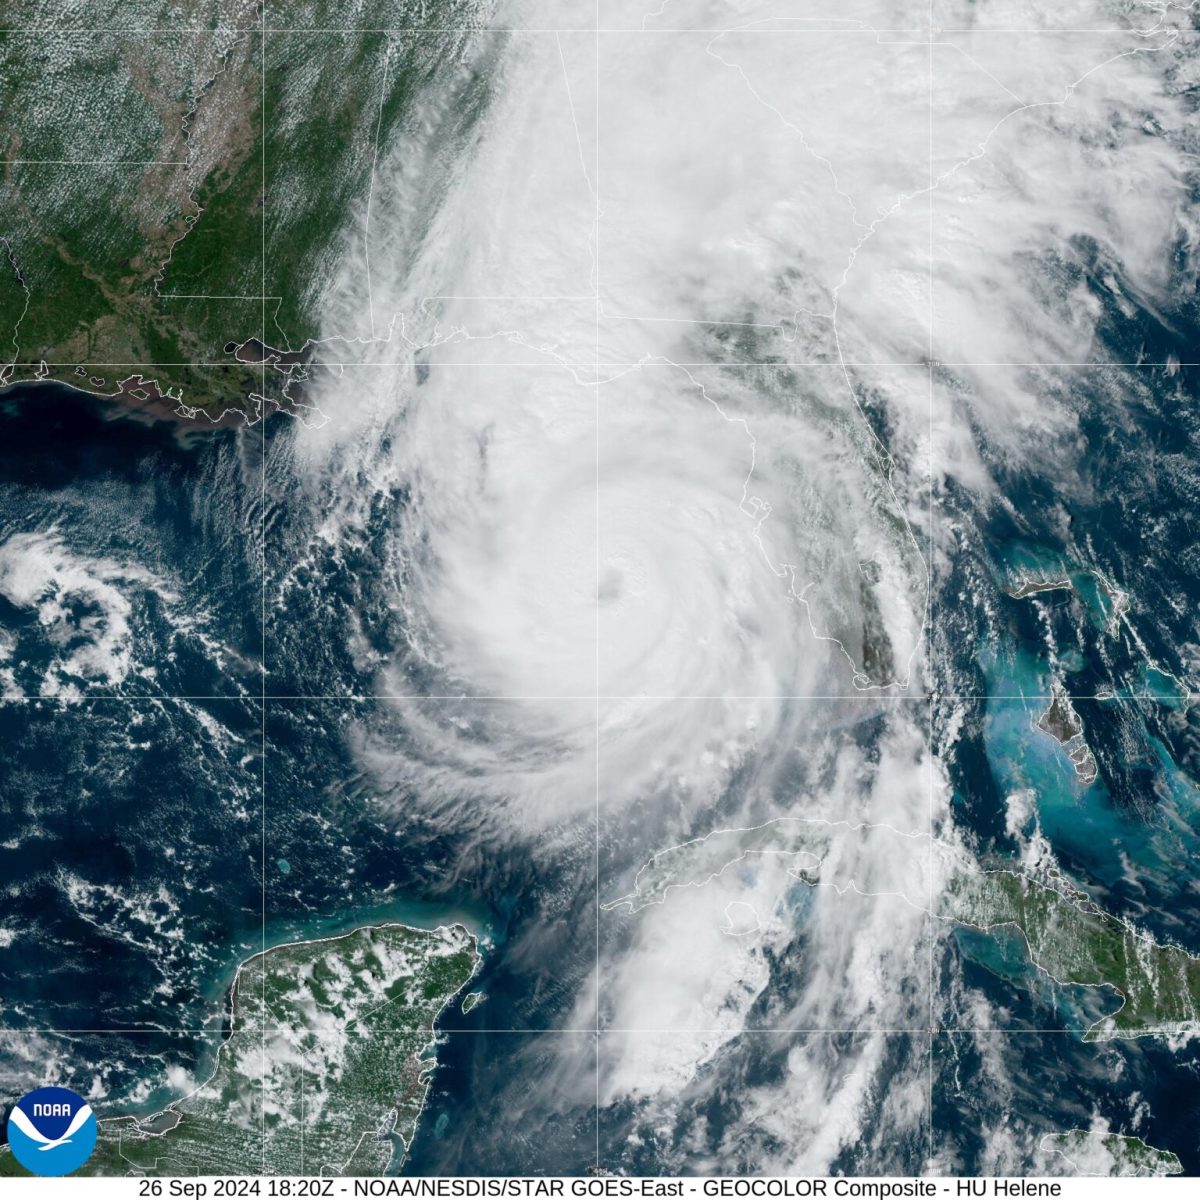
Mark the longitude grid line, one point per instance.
(262, 563)
(596, 596)
(931, 603)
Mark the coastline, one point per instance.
(167, 1114)
(134, 397)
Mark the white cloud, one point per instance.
(602, 506)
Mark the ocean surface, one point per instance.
(161, 817)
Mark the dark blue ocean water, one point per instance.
(161, 827)
(169, 823)
(1109, 505)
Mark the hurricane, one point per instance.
(731, 525)
(701, 354)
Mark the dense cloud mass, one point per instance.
(674, 354)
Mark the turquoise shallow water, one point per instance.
(137, 846)
(1131, 853)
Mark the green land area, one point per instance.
(1091, 1153)
(178, 180)
(1155, 987)
(1076, 942)
(325, 1070)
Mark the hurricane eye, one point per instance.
(610, 587)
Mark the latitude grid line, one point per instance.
(660, 364)
(264, 698)
(458, 697)
(910, 33)
(636, 1031)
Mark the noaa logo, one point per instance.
(52, 1131)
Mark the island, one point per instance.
(1066, 935)
(1089, 1152)
(1031, 587)
(1076, 942)
(1061, 722)
(1102, 597)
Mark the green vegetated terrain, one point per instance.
(1155, 987)
(1091, 1153)
(324, 1072)
(180, 177)
(1075, 942)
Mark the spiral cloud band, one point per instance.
(667, 361)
